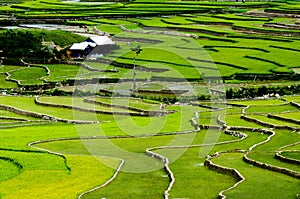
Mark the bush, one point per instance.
(20, 44)
(262, 90)
(27, 44)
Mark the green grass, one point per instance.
(164, 56)
(293, 147)
(264, 118)
(56, 183)
(190, 173)
(7, 68)
(51, 171)
(78, 102)
(62, 38)
(271, 109)
(27, 103)
(61, 72)
(6, 120)
(257, 102)
(158, 180)
(235, 120)
(46, 175)
(292, 115)
(139, 182)
(293, 155)
(233, 110)
(265, 153)
(9, 114)
(131, 102)
(134, 125)
(257, 180)
(6, 84)
(29, 75)
(211, 55)
(8, 170)
(192, 163)
(241, 62)
(292, 98)
(152, 86)
(245, 49)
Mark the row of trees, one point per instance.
(35, 45)
(250, 92)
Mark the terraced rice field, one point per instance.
(68, 160)
(221, 32)
(81, 129)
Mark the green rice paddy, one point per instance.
(80, 129)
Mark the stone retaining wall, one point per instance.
(159, 32)
(166, 167)
(157, 156)
(271, 167)
(267, 124)
(86, 66)
(295, 104)
(148, 152)
(166, 160)
(164, 91)
(221, 122)
(45, 85)
(267, 32)
(284, 119)
(43, 116)
(225, 170)
(209, 127)
(11, 80)
(236, 105)
(257, 121)
(208, 163)
(235, 134)
(140, 40)
(282, 26)
(107, 182)
(244, 110)
(235, 173)
(84, 81)
(264, 165)
(130, 66)
(205, 106)
(23, 124)
(13, 123)
(87, 110)
(140, 111)
(112, 105)
(286, 159)
(14, 118)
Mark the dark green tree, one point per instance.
(262, 91)
(22, 44)
(229, 93)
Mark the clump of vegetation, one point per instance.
(17, 45)
(26, 45)
(246, 92)
(61, 38)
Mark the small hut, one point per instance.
(93, 45)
